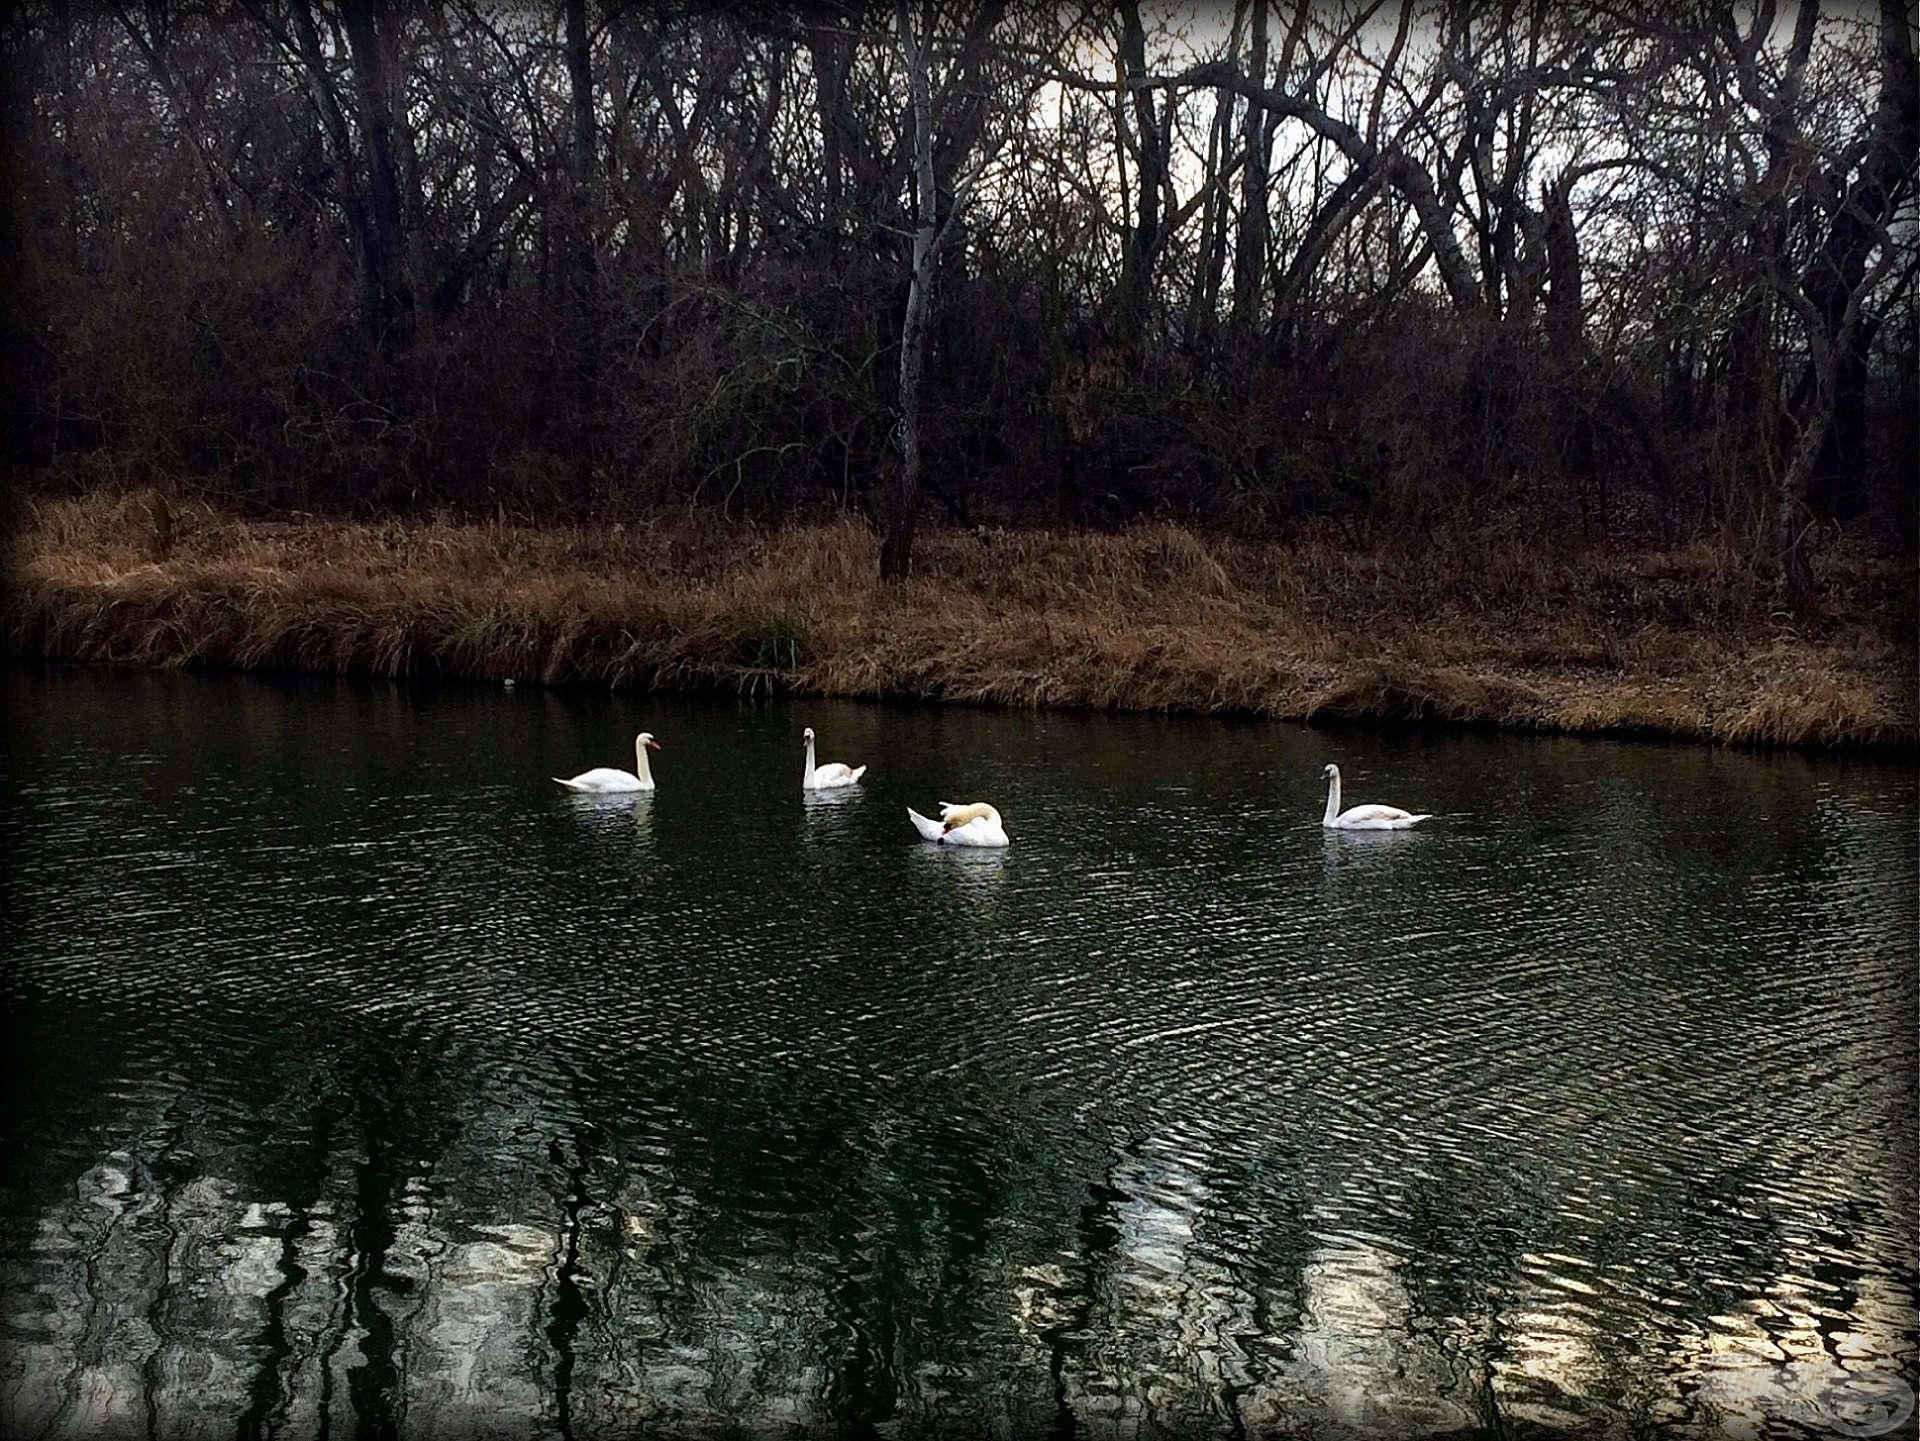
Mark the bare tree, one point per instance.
(334, 251)
(896, 552)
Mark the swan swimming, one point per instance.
(975, 824)
(605, 780)
(1362, 818)
(830, 776)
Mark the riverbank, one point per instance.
(1678, 643)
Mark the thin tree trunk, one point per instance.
(580, 166)
(827, 51)
(896, 551)
(582, 288)
(1250, 258)
(1796, 571)
(373, 88)
(1565, 312)
(1204, 304)
(1143, 243)
(352, 185)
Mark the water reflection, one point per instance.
(832, 817)
(1351, 855)
(972, 872)
(826, 803)
(352, 1087)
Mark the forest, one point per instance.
(1592, 280)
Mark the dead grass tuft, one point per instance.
(1638, 708)
(1796, 699)
(1153, 618)
(1397, 690)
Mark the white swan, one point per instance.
(830, 776)
(976, 824)
(605, 780)
(1362, 818)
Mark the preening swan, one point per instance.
(976, 824)
(605, 780)
(1362, 818)
(830, 776)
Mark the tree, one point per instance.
(896, 551)
(933, 151)
(1840, 288)
(338, 251)
(1830, 194)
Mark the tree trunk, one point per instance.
(387, 258)
(1565, 314)
(1836, 272)
(1250, 257)
(1566, 339)
(1830, 293)
(1796, 572)
(580, 162)
(896, 550)
(827, 50)
(1204, 305)
(1143, 242)
(333, 125)
(582, 273)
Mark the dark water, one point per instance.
(361, 1083)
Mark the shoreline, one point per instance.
(1675, 645)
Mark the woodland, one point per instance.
(1401, 292)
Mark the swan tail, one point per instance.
(562, 781)
(854, 778)
(929, 830)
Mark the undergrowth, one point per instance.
(1465, 630)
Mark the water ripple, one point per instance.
(425, 1087)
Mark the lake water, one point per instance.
(360, 1082)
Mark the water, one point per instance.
(360, 1082)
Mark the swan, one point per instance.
(975, 824)
(830, 776)
(1362, 818)
(605, 780)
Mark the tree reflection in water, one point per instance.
(348, 1099)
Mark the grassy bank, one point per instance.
(1497, 631)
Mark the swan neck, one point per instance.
(807, 774)
(1333, 795)
(641, 768)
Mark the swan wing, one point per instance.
(602, 778)
(833, 773)
(1378, 818)
(981, 831)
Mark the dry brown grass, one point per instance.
(1675, 643)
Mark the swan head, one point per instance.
(807, 734)
(646, 739)
(1330, 771)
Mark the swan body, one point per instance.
(1362, 818)
(830, 776)
(976, 824)
(605, 780)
